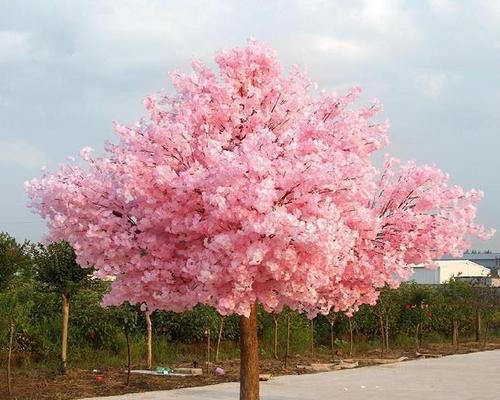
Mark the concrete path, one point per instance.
(473, 376)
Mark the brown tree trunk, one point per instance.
(64, 333)
(249, 362)
(417, 336)
(149, 340)
(332, 320)
(9, 359)
(455, 334)
(382, 332)
(208, 350)
(332, 342)
(219, 337)
(275, 319)
(312, 337)
(478, 325)
(387, 332)
(351, 338)
(485, 333)
(287, 354)
(129, 361)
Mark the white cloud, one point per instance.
(491, 7)
(14, 46)
(389, 17)
(444, 7)
(20, 154)
(340, 48)
(433, 84)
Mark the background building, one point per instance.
(489, 260)
(446, 270)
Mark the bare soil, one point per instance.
(77, 384)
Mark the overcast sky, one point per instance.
(68, 68)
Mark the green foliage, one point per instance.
(32, 280)
(13, 259)
(95, 326)
(16, 304)
(457, 299)
(56, 267)
(126, 317)
(191, 326)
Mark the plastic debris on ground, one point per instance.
(166, 371)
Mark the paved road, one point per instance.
(473, 376)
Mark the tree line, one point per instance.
(47, 301)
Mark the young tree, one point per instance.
(126, 316)
(487, 304)
(275, 317)
(219, 337)
(13, 260)
(332, 317)
(458, 303)
(417, 308)
(385, 308)
(57, 268)
(246, 188)
(288, 336)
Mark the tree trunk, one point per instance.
(208, 350)
(9, 359)
(249, 362)
(478, 325)
(387, 332)
(417, 336)
(287, 354)
(64, 334)
(312, 337)
(382, 332)
(332, 342)
(350, 337)
(485, 333)
(129, 361)
(149, 340)
(332, 320)
(219, 337)
(455, 334)
(275, 318)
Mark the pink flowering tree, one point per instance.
(244, 187)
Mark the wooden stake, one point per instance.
(208, 350)
(149, 340)
(332, 319)
(312, 337)
(478, 325)
(287, 339)
(128, 357)
(275, 319)
(64, 333)
(9, 359)
(350, 337)
(219, 337)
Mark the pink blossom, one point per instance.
(244, 187)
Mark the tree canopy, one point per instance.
(247, 186)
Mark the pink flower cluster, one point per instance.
(244, 187)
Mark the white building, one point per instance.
(446, 270)
(490, 259)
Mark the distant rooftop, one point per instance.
(474, 256)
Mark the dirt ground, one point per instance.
(77, 384)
